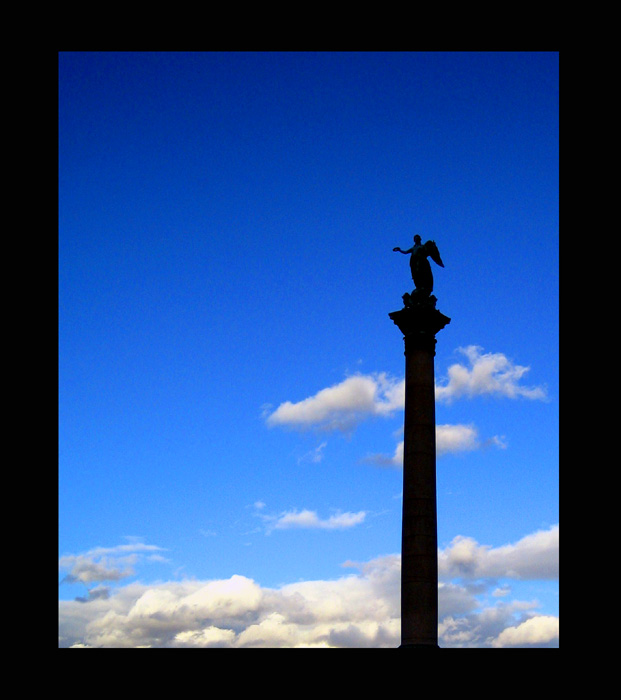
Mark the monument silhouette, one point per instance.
(419, 321)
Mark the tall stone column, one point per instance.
(419, 324)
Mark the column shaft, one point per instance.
(419, 548)
(419, 322)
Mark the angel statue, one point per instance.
(421, 269)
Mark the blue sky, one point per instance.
(230, 383)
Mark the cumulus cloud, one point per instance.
(344, 405)
(353, 610)
(486, 374)
(450, 439)
(537, 631)
(535, 556)
(361, 609)
(486, 628)
(456, 438)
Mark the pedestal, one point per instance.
(419, 540)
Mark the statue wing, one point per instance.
(432, 250)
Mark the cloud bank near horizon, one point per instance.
(361, 609)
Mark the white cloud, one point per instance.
(535, 556)
(208, 637)
(82, 568)
(537, 631)
(357, 610)
(342, 406)
(450, 439)
(308, 519)
(106, 563)
(487, 374)
(485, 627)
(456, 438)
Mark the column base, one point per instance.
(418, 646)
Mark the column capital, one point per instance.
(419, 322)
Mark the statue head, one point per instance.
(417, 239)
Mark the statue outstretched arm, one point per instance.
(405, 252)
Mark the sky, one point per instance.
(230, 383)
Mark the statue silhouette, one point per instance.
(419, 265)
